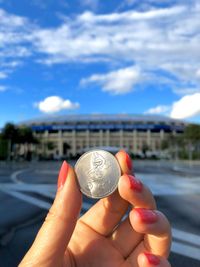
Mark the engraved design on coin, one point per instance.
(98, 166)
(98, 173)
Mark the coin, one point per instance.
(98, 173)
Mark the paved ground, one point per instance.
(27, 191)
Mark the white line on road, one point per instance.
(14, 175)
(29, 187)
(186, 237)
(158, 190)
(32, 200)
(186, 250)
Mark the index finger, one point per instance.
(111, 209)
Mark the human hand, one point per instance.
(100, 238)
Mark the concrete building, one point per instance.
(70, 135)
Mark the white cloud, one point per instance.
(198, 73)
(3, 75)
(186, 91)
(124, 36)
(157, 38)
(3, 88)
(11, 20)
(152, 39)
(15, 35)
(53, 104)
(160, 109)
(131, 15)
(116, 82)
(93, 4)
(187, 107)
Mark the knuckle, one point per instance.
(109, 207)
(55, 215)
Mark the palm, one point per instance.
(93, 250)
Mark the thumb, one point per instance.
(55, 233)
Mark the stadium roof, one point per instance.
(99, 117)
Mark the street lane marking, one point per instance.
(14, 175)
(186, 250)
(39, 203)
(29, 187)
(35, 201)
(186, 237)
(158, 190)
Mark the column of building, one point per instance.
(74, 152)
(107, 137)
(134, 141)
(121, 139)
(60, 144)
(149, 139)
(162, 136)
(87, 138)
(101, 137)
(44, 143)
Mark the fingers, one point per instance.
(57, 229)
(111, 209)
(125, 238)
(147, 225)
(157, 235)
(125, 162)
(137, 194)
(156, 228)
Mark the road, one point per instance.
(28, 189)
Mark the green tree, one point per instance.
(3, 148)
(17, 135)
(9, 133)
(192, 133)
(192, 139)
(25, 135)
(173, 143)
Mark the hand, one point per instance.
(99, 238)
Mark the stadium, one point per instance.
(71, 135)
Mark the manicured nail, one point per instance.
(63, 174)
(128, 160)
(135, 184)
(147, 216)
(152, 259)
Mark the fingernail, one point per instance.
(135, 184)
(128, 160)
(152, 259)
(147, 216)
(63, 174)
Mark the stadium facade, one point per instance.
(71, 135)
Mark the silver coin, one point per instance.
(98, 173)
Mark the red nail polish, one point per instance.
(128, 160)
(63, 174)
(135, 184)
(147, 216)
(152, 259)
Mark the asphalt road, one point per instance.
(27, 191)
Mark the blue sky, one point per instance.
(90, 56)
